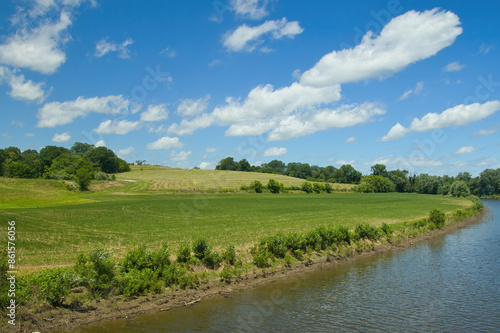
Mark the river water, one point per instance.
(447, 284)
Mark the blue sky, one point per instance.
(185, 83)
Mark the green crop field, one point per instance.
(53, 224)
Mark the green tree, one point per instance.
(373, 183)
(379, 170)
(104, 158)
(227, 163)
(83, 176)
(307, 187)
(257, 186)
(50, 153)
(243, 165)
(81, 147)
(459, 189)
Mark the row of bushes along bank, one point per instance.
(97, 274)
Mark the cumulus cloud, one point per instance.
(246, 38)
(155, 113)
(23, 89)
(180, 156)
(275, 151)
(252, 9)
(307, 105)
(125, 151)
(459, 115)
(100, 143)
(64, 137)
(165, 143)
(466, 150)
(351, 139)
(61, 113)
(416, 91)
(206, 165)
(406, 39)
(193, 107)
(104, 47)
(117, 127)
(453, 67)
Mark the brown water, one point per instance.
(448, 284)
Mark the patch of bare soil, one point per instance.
(116, 307)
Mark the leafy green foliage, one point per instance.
(201, 249)
(459, 188)
(274, 187)
(257, 186)
(183, 253)
(307, 187)
(375, 183)
(55, 284)
(437, 217)
(96, 270)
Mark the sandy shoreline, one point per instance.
(116, 307)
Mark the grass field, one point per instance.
(158, 178)
(53, 224)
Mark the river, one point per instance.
(447, 284)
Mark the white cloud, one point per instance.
(406, 39)
(418, 88)
(351, 139)
(155, 113)
(64, 137)
(466, 150)
(104, 47)
(342, 162)
(210, 150)
(252, 9)
(125, 151)
(100, 143)
(37, 49)
(180, 156)
(486, 132)
(165, 143)
(488, 161)
(459, 115)
(275, 151)
(22, 89)
(188, 127)
(484, 49)
(246, 38)
(56, 113)
(29, 134)
(117, 127)
(193, 107)
(206, 165)
(453, 67)
(344, 116)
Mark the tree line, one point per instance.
(380, 179)
(81, 163)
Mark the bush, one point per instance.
(295, 241)
(387, 229)
(137, 259)
(276, 245)
(437, 217)
(328, 188)
(275, 187)
(260, 258)
(257, 186)
(307, 187)
(137, 282)
(317, 188)
(313, 240)
(366, 231)
(160, 258)
(229, 255)
(201, 248)
(95, 270)
(99, 175)
(183, 253)
(212, 260)
(55, 284)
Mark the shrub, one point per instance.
(437, 217)
(257, 186)
(99, 175)
(201, 248)
(387, 229)
(328, 188)
(160, 258)
(274, 186)
(55, 284)
(260, 257)
(366, 231)
(276, 245)
(172, 274)
(212, 260)
(137, 282)
(183, 253)
(295, 241)
(96, 270)
(137, 259)
(313, 240)
(229, 255)
(307, 187)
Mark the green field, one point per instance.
(53, 224)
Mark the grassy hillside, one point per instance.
(183, 180)
(54, 235)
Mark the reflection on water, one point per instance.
(447, 284)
